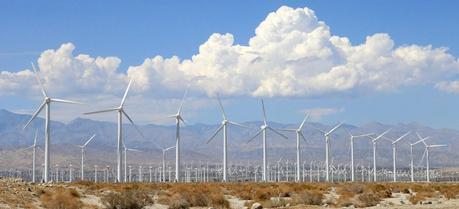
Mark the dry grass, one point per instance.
(309, 197)
(61, 198)
(127, 199)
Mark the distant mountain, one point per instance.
(101, 151)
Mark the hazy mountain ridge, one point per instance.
(194, 137)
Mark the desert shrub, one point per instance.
(367, 200)
(177, 201)
(274, 203)
(127, 199)
(263, 193)
(218, 200)
(61, 199)
(309, 198)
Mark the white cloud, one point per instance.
(293, 53)
(316, 114)
(448, 86)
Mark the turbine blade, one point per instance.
(253, 137)
(125, 93)
(101, 111)
(221, 108)
(302, 136)
(184, 121)
(278, 133)
(183, 99)
(214, 134)
(65, 101)
(288, 129)
(43, 91)
(381, 135)
(134, 150)
(89, 140)
(264, 112)
(169, 148)
(400, 138)
(27, 148)
(304, 121)
(419, 136)
(423, 155)
(323, 132)
(132, 122)
(240, 125)
(334, 128)
(35, 114)
(35, 138)
(438, 145)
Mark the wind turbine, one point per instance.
(46, 104)
(178, 118)
(126, 149)
(224, 126)
(426, 151)
(164, 150)
(374, 140)
(121, 112)
(394, 154)
(352, 151)
(411, 154)
(34, 146)
(299, 134)
(82, 147)
(327, 148)
(263, 130)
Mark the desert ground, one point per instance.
(15, 193)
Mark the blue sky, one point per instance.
(142, 29)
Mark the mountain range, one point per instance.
(101, 151)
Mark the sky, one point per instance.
(353, 61)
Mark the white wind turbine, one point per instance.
(426, 151)
(411, 154)
(327, 148)
(126, 149)
(82, 147)
(263, 130)
(121, 112)
(299, 134)
(394, 154)
(178, 118)
(33, 147)
(224, 126)
(352, 151)
(47, 105)
(374, 140)
(164, 150)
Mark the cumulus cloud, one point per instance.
(316, 114)
(292, 53)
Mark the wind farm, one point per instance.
(310, 108)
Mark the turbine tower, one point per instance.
(46, 104)
(352, 151)
(426, 151)
(263, 130)
(327, 149)
(299, 134)
(374, 140)
(394, 154)
(224, 126)
(178, 118)
(34, 146)
(120, 110)
(411, 154)
(82, 147)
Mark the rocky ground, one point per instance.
(15, 193)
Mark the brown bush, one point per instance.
(420, 196)
(218, 200)
(127, 199)
(367, 200)
(177, 201)
(309, 198)
(61, 198)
